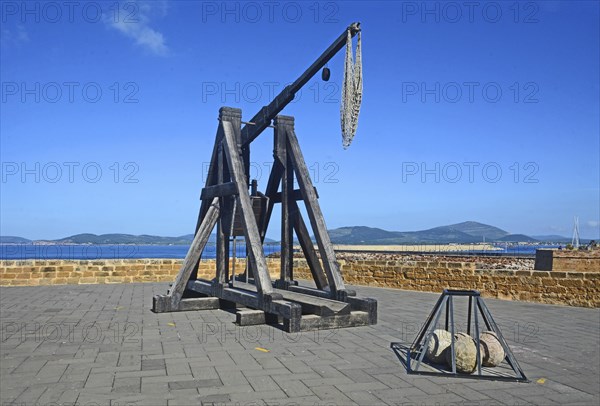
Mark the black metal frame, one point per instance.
(476, 308)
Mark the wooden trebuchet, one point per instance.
(229, 205)
(226, 196)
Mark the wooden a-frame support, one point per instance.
(225, 193)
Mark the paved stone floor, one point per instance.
(101, 344)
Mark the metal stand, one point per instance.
(415, 354)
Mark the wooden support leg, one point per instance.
(287, 190)
(287, 253)
(334, 276)
(309, 251)
(272, 186)
(211, 179)
(193, 256)
(222, 229)
(253, 241)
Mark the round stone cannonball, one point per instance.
(466, 353)
(439, 342)
(492, 353)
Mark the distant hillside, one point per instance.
(517, 238)
(552, 238)
(123, 239)
(115, 239)
(443, 234)
(375, 236)
(479, 230)
(9, 239)
(466, 232)
(359, 235)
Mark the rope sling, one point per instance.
(351, 91)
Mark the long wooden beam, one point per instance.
(336, 282)
(263, 118)
(287, 210)
(272, 186)
(223, 225)
(253, 240)
(296, 195)
(308, 249)
(225, 189)
(193, 255)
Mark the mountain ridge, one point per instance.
(112, 239)
(464, 232)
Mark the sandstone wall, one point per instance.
(432, 275)
(567, 260)
(576, 261)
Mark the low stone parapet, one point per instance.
(567, 260)
(427, 275)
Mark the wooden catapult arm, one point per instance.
(263, 118)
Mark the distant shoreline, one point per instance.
(92, 243)
(417, 247)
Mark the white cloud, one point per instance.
(137, 27)
(144, 36)
(593, 223)
(14, 37)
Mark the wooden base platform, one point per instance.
(296, 311)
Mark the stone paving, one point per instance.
(101, 344)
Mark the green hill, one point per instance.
(479, 230)
(517, 238)
(465, 233)
(359, 235)
(552, 238)
(9, 239)
(123, 239)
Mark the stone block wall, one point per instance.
(567, 260)
(431, 275)
(62, 272)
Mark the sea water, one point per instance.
(126, 251)
(93, 251)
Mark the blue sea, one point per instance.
(92, 252)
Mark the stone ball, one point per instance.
(492, 353)
(466, 353)
(438, 344)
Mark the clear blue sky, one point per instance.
(488, 113)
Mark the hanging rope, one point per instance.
(351, 91)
